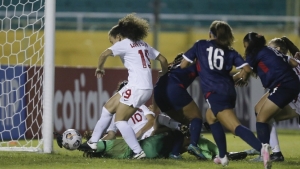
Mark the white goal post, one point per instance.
(27, 38)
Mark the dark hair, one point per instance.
(176, 61)
(255, 43)
(131, 27)
(121, 85)
(290, 45)
(223, 33)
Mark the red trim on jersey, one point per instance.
(181, 85)
(198, 66)
(192, 75)
(207, 94)
(263, 67)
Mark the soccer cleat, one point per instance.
(277, 156)
(265, 153)
(92, 145)
(84, 147)
(206, 126)
(196, 152)
(139, 155)
(236, 155)
(176, 157)
(252, 152)
(224, 161)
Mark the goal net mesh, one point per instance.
(21, 74)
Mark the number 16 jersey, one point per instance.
(215, 66)
(136, 58)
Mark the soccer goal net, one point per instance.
(22, 76)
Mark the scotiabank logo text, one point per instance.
(80, 107)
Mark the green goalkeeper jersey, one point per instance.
(153, 147)
(157, 146)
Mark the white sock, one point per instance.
(101, 125)
(168, 122)
(129, 136)
(274, 142)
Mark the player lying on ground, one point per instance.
(292, 110)
(156, 146)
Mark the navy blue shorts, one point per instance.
(218, 102)
(170, 96)
(284, 93)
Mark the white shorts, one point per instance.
(132, 96)
(296, 105)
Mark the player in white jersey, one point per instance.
(292, 110)
(126, 39)
(141, 122)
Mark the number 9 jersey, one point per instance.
(215, 66)
(136, 58)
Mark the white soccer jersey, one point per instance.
(136, 58)
(137, 121)
(296, 103)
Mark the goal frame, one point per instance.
(49, 69)
(45, 144)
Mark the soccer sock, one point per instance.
(219, 137)
(263, 132)
(168, 122)
(274, 142)
(129, 136)
(178, 141)
(247, 135)
(195, 130)
(101, 125)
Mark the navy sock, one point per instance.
(263, 132)
(219, 137)
(247, 135)
(195, 130)
(178, 141)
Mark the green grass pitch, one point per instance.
(62, 158)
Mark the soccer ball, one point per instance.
(71, 139)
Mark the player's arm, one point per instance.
(102, 58)
(185, 63)
(293, 62)
(147, 126)
(163, 63)
(109, 136)
(241, 77)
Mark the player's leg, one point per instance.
(105, 119)
(130, 101)
(219, 137)
(170, 123)
(257, 109)
(274, 143)
(278, 99)
(193, 114)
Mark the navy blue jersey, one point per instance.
(272, 67)
(170, 90)
(215, 65)
(184, 77)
